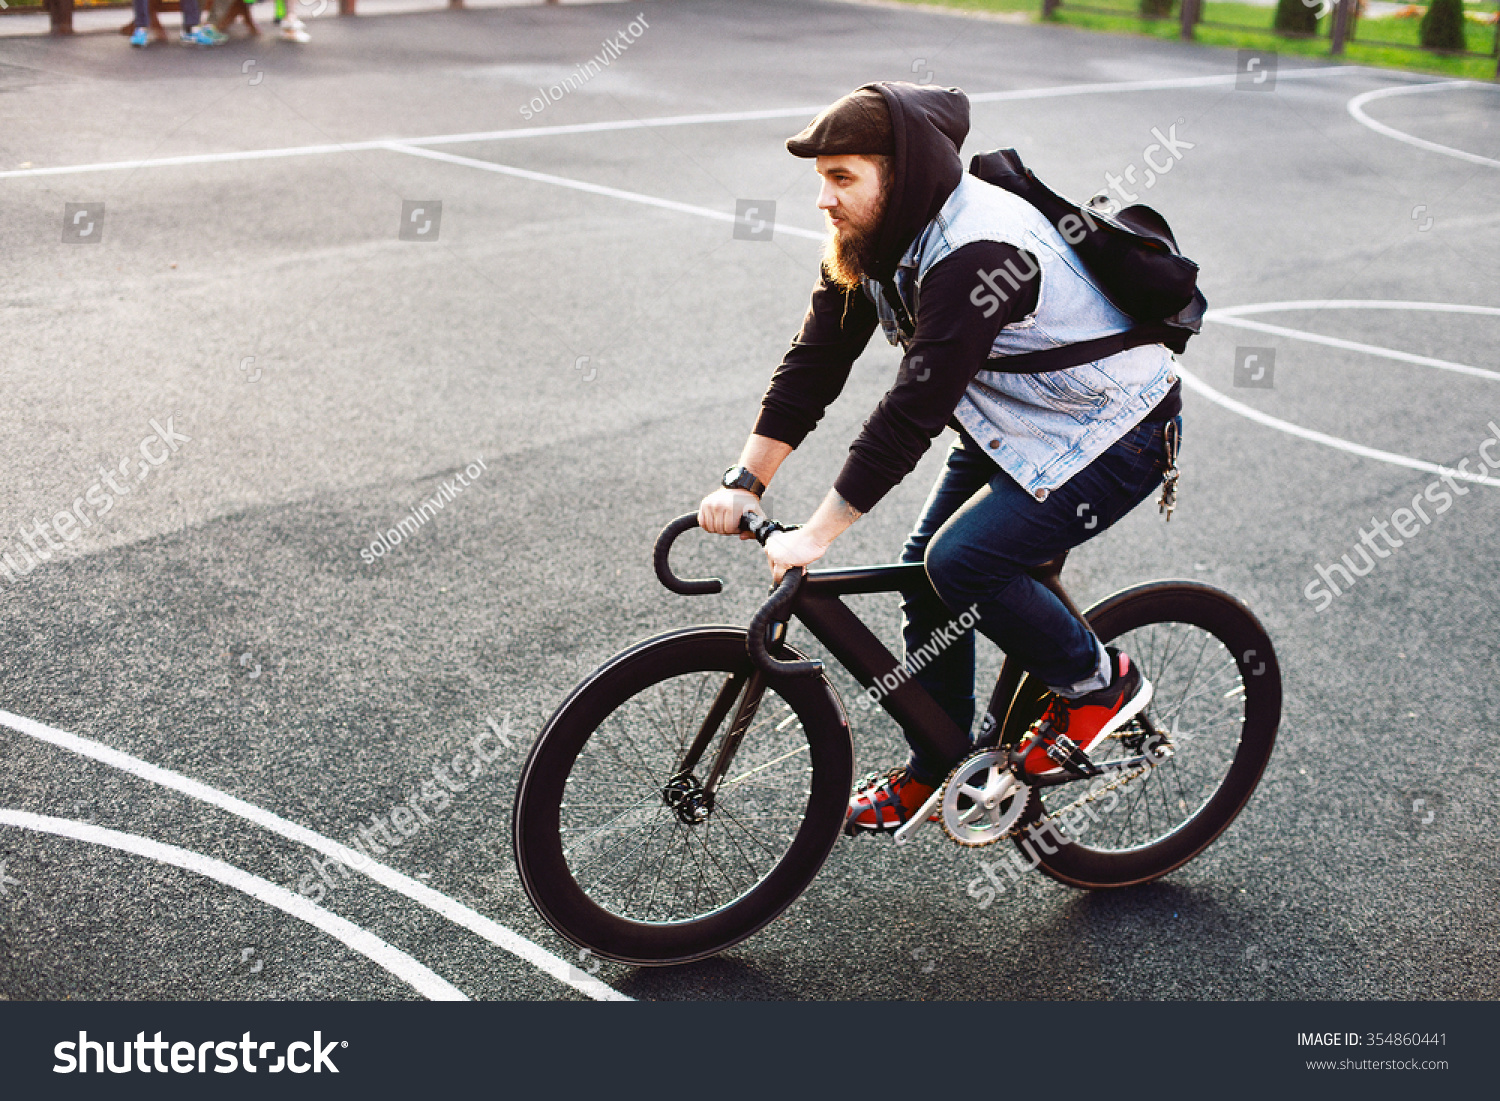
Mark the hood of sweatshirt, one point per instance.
(929, 125)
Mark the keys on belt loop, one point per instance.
(1168, 499)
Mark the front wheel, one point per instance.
(627, 853)
(1216, 706)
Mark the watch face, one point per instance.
(737, 477)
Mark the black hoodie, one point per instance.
(952, 340)
(929, 126)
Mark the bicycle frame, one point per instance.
(817, 604)
(855, 647)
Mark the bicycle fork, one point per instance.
(693, 801)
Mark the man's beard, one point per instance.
(848, 256)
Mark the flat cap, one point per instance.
(858, 124)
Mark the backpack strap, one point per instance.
(904, 322)
(1088, 351)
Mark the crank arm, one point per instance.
(903, 835)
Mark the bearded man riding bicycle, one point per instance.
(962, 274)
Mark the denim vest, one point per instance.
(1040, 429)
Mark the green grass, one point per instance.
(1249, 27)
(78, 5)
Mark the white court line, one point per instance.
(418, 892)
(419, 977)
(1233, 315)
(637, 124)
(1357, 109)
(1198, 386)
(1163, 84)
(592, 189)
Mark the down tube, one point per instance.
(929, 728)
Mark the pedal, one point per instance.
(1066, 752)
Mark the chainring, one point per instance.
(982, 799)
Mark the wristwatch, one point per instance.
(737, 477)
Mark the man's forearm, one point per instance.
(763, 455)
(832, 519)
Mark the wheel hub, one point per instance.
(685, 795)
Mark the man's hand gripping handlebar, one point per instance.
(770, 621)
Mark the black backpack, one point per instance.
(1132, 256)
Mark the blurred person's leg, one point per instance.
(139, 35)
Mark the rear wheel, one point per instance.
(1216, 705)
(623, 852)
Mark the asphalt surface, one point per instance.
(221, 622)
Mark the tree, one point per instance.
(1296, 17)
(1442, 28)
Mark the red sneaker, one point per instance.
(882, 804)
(1069, 726)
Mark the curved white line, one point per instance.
(1351, 304)
(1198, 386)
(1357, 104)
(420, 978)
(418, 892)
(1228, 317)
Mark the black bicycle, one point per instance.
(689, 789)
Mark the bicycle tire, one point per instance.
(1218, 757)
(796, 763)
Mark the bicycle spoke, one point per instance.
(632, 853)
(759, 768)
(1200, 697)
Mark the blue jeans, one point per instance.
(189, 14)
(977, 535)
